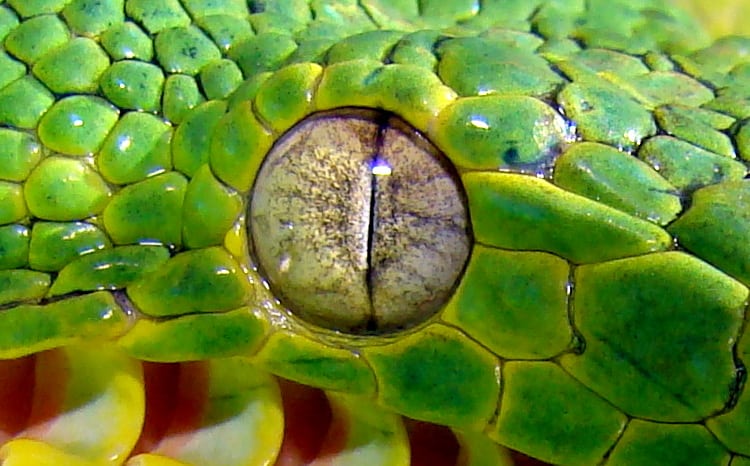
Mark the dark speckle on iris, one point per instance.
(358, 223)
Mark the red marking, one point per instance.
(50, 388)
(519, 459)
(434, 445)
(16, 388)
(307, 419)
(336, 438)
(431, 445)
(190, 406)
(161, 382)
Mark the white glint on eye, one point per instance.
(380, 168)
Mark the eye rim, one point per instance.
(385, 120)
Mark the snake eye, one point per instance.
(358, 223)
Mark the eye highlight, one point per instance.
(359, 223)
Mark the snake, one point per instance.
(312, 232)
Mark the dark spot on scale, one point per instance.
(257, 6)
(191, 52)
(511, 156)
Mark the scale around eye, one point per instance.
(358, 223)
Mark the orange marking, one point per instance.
(16, 388)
